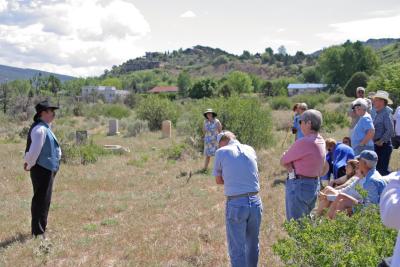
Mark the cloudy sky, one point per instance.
(83, 38)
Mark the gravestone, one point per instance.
(113, 127)
(166, 129)
(81, 137)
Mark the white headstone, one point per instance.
(166, 129)
(113, 127)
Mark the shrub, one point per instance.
(155, 110)
(356, 80)
(137, 127)
(203, 88)
(86, 154)
(222, 59)
(174, 152)
(360, 240)
(312, 100)
(108, 110)
(333, 119)
(280, 102)
(336, 98)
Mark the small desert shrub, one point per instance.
(280, 102)
(175, 151)
(336, 98)
(155, 110)
(116, 111)
(333, 119)
(359, 240)
(137, 127)
(85, 154)
(312, 100)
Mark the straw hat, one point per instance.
(383, 95)
(209, 110)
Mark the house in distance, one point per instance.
(306, 88)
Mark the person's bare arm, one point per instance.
(341, 180)
(370, 134)
(219, 180)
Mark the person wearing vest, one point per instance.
(42, 160)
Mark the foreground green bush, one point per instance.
(360, 240)
(155, 110)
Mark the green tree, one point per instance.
(155, 110)
(338, 63)
(240, 82)
(222, 59)
(358, 79)
(184, 83)
(53, 84)
(388, 79)
(245, 55)
(311, 75)
(282, 50)
(112, 82)
(203, 88)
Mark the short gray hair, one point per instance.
(314, 116)
(362, 103)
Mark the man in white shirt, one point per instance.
(390, 211)
(42, 160)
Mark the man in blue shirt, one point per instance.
(374, 183)
(235, 167)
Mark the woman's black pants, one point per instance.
(42, 181)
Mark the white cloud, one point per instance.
(70, 36)
(292, 46)
(363, 29)
(280, 30)
(3, 5)
(188, 15)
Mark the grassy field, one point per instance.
(137, 209)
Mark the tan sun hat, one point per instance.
(209, 110)
(383, 95)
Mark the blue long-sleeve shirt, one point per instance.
(375, 185)
(384, 127)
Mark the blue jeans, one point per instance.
(384, 152)
(243, 219)
(301, 195)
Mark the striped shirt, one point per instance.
(384, 128)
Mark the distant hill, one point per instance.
(390, 53)
(202, 61)
(380, 43)
(8, 73)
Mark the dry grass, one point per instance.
(137, 209)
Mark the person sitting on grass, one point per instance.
(328, 193)
(351, 168)
(347, 141)
(371, 181)
(337, 156)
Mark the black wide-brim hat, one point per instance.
(209, 111)
(42, 106)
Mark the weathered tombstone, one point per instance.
(113, 127)
(81, 137)
(166, 129)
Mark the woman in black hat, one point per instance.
(42, 160)
(212, 127)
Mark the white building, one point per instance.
(109, 93)
(305, 88)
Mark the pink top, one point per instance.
(307, 155)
